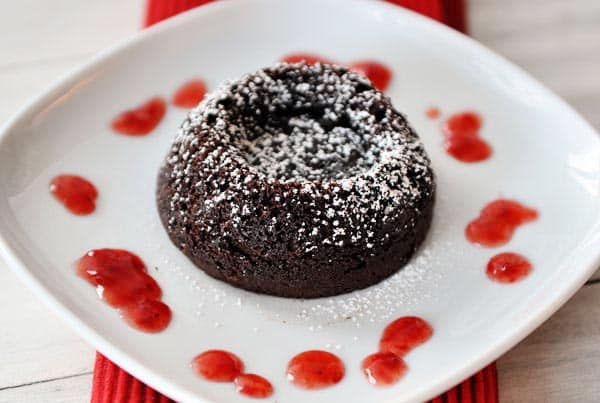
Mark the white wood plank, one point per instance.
(35, 344)
(74, 389)
(560, 361)
(557, 41)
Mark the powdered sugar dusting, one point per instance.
(386, 300)
(378, 303)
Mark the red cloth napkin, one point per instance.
(113, 385)
(450, 12)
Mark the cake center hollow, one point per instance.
(310, 148)
(298, 125)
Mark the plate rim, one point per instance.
(146, 374)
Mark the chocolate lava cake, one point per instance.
(297, 181)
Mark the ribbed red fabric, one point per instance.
(480, 388)
(158, 10)
(450, 12)
(113, 385)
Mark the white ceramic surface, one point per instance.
(545, 155)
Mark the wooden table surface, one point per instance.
(558, 41)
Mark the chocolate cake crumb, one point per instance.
(298, 181)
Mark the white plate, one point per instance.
(545, 155)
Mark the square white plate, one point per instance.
(545, 155)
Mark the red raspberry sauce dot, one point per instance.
(378, 73)
(497, 222)
(462, 139)
(432, 112)
(315, 369)
(218, 365)
(142, 119)
(305, 57)
(508, 267)
(77, 194)
(404, 334)
(464, 123)
(189, 94)
(383, 369)
(150, 316)
(253, 385)
(122, 281)
(467, 148)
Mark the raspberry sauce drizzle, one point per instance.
(224, 366)
(379, 75)
(404, 334)
(383, 369)
(253, 385)
(461, 138)
(308, 58)
(386, 367)
(498, 221)
(218, 365)
(77, 194)
(141, 120)
(433, 112)
(315, 369)
(189, 94)
(122, 281)
(508, 267)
